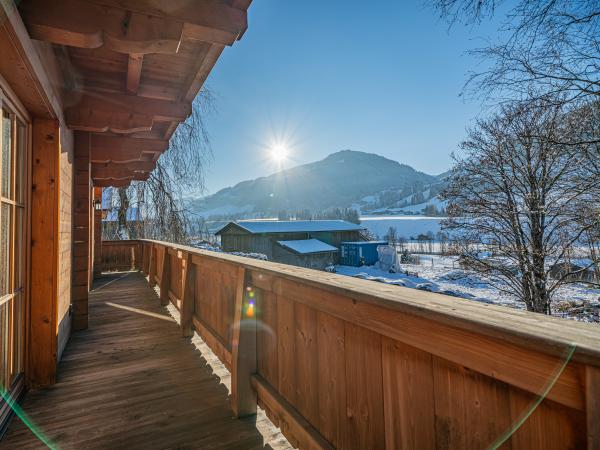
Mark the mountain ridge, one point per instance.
(344, 179)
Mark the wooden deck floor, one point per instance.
(132, 381)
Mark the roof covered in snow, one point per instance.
(307, 246)
(292, 226)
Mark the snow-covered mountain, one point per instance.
(367, 182)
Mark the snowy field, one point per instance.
(442, 274)
(406, 226)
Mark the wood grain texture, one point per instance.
(243, 352)
(592, 383)
(42, 346)
(131, 381)
(266, 350)
(306, 363)
(293, 425)
(471, 410)
(286, 349)
(408, 393)
(187, 300)
(332, 379)
(550, 426)
(364, 391)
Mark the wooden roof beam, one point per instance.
(103, 173)
(78, 23)
(159, 110)
(116, 149)
(136, 166)
(204, 20)
(85, 119)
(134, 72)
(111, 182)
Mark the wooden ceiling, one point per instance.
(131, 69)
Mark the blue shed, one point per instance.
(360, 253)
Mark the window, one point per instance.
(14, 150)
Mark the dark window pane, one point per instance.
(4, 324)
(19, 249)
(20, 161)
(4, 248)
(6, 154)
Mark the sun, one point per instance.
(279, 153)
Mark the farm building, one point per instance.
(310, 253)
(269, 237)
(360, 253)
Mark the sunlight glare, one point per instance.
(279, 153)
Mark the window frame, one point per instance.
(18, 204)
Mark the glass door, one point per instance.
(13, 176)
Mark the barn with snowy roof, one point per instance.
(305, 243)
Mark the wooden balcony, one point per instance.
(333, 361)
(131, 381)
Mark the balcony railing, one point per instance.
(341, 362)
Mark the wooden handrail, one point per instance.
(369, 365)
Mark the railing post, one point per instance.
(592, 395)
(243, 395)
(146, 268)
(152, 269)
(165, 279)
(188, 299)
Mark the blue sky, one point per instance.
(318, 76)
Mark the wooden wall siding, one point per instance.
(350, 364)
(65, 239)
(42, 342)
(81, 230)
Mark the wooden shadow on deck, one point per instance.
(132, 381)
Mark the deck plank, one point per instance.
(132, 381)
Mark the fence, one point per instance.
(121, 255)
(341, 362)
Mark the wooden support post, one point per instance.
(165, 278)
(97, 235)
(44, 258)
(592, 396)
(188, 298)
(145, 258)
(81, 231)
(152, 268)
(243, 395)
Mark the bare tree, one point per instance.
(546, 47)
(392, 236)
(160, 201)
(518, 185)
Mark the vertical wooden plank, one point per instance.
(266, 350)
(471, 410)
(81, 230)
(187, 299)
(364, 391)
(408, 396)
(243, 395)
(165, 277)
(592, 398)
(550, 426)
(44, 233)
(286, 348)
(97, 234)
(307, 363)
(332, 379)
(152, 268)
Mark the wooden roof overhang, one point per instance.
(130, 70)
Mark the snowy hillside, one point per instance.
(366, 182)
